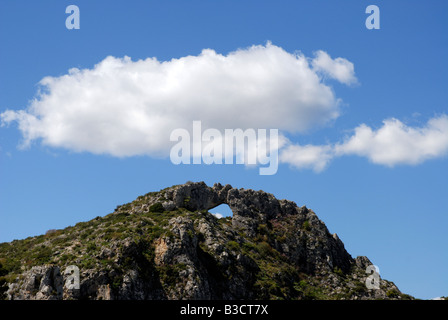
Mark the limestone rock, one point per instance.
(166, 245)
(39, 283)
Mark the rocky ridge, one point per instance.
(166, 245)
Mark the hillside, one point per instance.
(166, 245)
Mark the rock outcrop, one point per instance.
(166, 245)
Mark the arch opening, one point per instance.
(222, 211)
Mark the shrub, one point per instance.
(359, 287)
(42, 255)
(3, 288)
(91, 246)
(306, 225)
(117, 281)
(169, 274)
(264, 249)
(392, 293)
(52, 232)
(248, 247)
(310, 291)
(262, 229)
(3, 271)
(3, 285)
(233, 245)
(157, 207)
(338, 271)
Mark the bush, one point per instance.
(248, 247)
(306, 225)
(3, 288)
(264, 249)
(169, 274)
(42, 255)
(3, 285)
(338, 271)
(392, 293)
(233, 245)
(359, 288)
(157, 207)
(52, 231)
(91, 246)
(308, 291)
(3, 271)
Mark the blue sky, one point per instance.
(383, 187)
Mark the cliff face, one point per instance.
(166, 245)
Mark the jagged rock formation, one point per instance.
(166, 245)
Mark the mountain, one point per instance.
(166, 245)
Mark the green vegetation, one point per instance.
(310, 291)
(233, 245)
(392, 293)
(306, 225)
(81, 244)
(3, 284)
(338, 271)
(169, 274)
(156, 207)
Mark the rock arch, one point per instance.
(223, 210)
(249, 207)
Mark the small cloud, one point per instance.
(312, 157)
(339, 69)
(396, 143)
(217, 215)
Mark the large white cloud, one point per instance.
(125, 108)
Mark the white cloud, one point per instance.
(392, 144)
(340, 69)
(395, 143)
(312, 157)
(125, 108)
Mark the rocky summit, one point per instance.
(167, 245)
